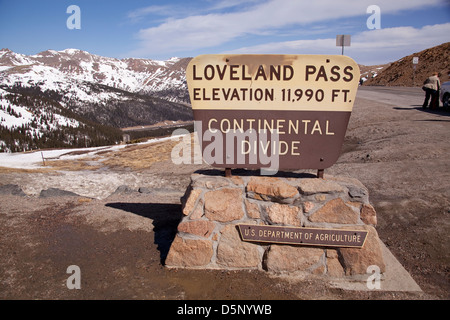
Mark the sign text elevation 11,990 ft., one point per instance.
(251, 107)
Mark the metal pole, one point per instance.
(320, 173)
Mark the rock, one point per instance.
(252, 210)
(307, 206)
(282, 258)
(123, 189)
(368, 214)
(224, 205)
(189, 253)
(12, 189)
(335, 211)
(270, 188)
(236, 180)
(209, 182)
(310, 186)
(357, 192)
(200, 228)
(55, 192)
(320, 197)
(284, 214)
(198, 211)
(144, 190)
(235, 253)
(334, 267)
(189, 200)
(356, 260)
(318, 269)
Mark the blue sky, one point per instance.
(164, 29)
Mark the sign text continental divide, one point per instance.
(252, 108)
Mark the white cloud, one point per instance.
(225, 4)
(212, 28)
(142, 12)
(369, 47)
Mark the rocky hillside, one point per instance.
(369, 72)
(401, 72)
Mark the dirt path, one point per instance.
(119, 239)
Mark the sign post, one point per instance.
(272, 111)
(415, 62)
(343, 40)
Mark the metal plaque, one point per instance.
(343, 40)
(303, 236)
(252, 109)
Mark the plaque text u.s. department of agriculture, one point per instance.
(303, 236)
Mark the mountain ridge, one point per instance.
(403, 73)
(71, 97)
(143, 76)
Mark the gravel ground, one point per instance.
(118, 236)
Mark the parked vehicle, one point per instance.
(445, 94)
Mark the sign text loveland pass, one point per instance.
(292, 108)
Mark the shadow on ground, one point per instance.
(438, 111)
(248, 172)
(165, 216)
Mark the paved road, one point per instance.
(399, 96)
(152, 127)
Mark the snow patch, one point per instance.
(33, 160)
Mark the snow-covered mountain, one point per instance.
(64, 70)
(75, 97)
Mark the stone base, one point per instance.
(208, 237)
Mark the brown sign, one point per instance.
(303, 236)
(251, 110)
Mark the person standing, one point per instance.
(431, 87)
